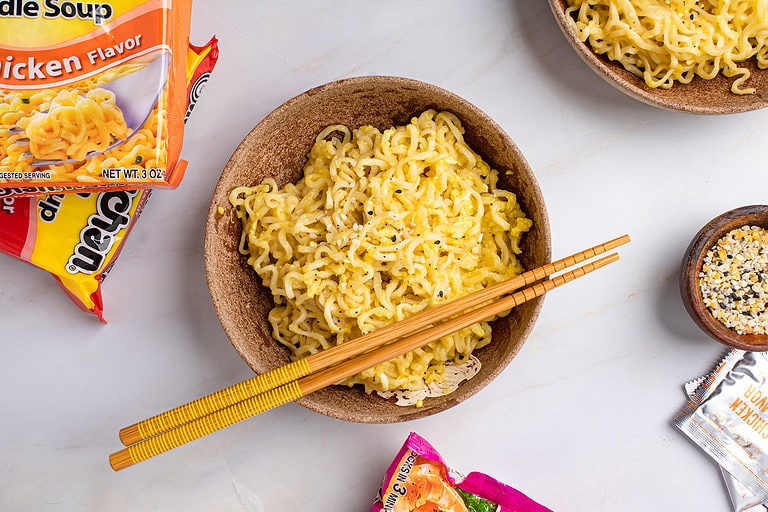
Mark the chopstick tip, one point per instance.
(130, 435)
(614, 256)
(120, 460)
(612, 244)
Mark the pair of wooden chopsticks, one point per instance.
(295, 380)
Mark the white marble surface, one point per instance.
(581, 419)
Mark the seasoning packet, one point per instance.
(92, 94)
(741, 498)
(727, 416)
(419, 480)
(77, 237)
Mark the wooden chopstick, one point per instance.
(316, 362)
(296, 389)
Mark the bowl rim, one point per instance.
(531, 184)
(705, 239)
(623, 80)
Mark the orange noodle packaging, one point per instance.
(418, 480)
(92, 94)
(78, 236)
(727, 417)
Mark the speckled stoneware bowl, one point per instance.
(705, 239)
(697, 97)
(278, 147)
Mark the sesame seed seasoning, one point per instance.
(732, 280)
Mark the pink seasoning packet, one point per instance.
(727, 416)
(418, 480)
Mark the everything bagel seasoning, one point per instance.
(734, 280)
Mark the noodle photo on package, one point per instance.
(69, 123)
(382, 225)
(88, 105)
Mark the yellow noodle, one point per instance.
(668, 41)
(382, 225)
(68, 122)
(75, 125)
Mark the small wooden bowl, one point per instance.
(700, 96)
(705, 239)
(278, 147)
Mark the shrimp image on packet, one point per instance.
(77, 237)
(418, 480)
(92, 94)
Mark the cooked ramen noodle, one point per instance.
(67, 123)
(382, 225)
(664, 41)
(74, 126)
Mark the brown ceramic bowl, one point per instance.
(697, 97)
(705, 239)
(278, 147)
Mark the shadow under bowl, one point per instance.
(705, 239)
(278, 147)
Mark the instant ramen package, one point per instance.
(77, 237)
(418, 480)
(92, 94)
